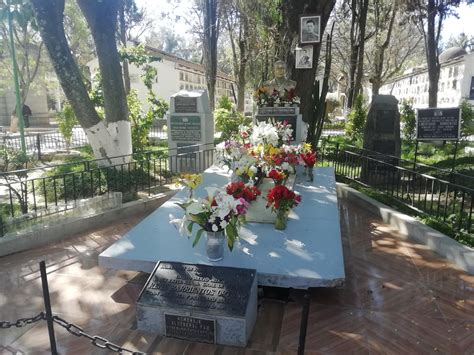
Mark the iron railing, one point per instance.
(450, 202)
(24, 199)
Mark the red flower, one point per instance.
(277, 176)
(309, 158)
(240, 190)
(282, 198)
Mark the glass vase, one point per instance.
(215, 243)
(280, 221)
(190, 193)
(309, 173)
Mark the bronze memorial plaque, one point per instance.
(190, 328)
(183, 104)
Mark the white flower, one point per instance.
(224, 224)
(254, 169)
(215, 228)
(195, 208)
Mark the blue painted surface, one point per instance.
(307, 254)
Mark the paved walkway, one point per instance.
(399, 298)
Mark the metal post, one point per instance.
(416, 155)
(19, 108)
(304, 323)
(453, 167)
(38, 145)
(47, 306)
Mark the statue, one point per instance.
(280, 82)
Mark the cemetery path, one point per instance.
(399, 297)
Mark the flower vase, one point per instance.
(280, 221)
(309, 173)
(215, 243)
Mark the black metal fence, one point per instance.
(38, 144)
(450, 202)
(24, 199)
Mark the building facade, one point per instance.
(456, 81)
(174, 74)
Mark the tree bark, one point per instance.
(360, 55)
(431, 45)
(107, 140)
(210, 37)
(123, 40)
(305, 78)
(49, 15)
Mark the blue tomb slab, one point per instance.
(308, 253)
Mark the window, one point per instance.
(455, 84)
(471, 92)
(450, 72)
(455, 71)
(181, 76)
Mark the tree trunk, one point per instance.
(210, 36)
(305, 78)
(241, 78)
(106, 141)
(354, 54)
(360, 55)
(123, 40)
(431, 46)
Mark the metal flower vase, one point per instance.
(215, 243)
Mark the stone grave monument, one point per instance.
(199, 303)
(190, 131)
(382, 135)
(288, 113)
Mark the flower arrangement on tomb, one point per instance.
(238, 190)
(281, 199)
(192, 181)
(218, 212)
(264, 97)
(279, 177)
(308, 157)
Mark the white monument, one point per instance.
(190, 131)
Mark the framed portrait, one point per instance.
(310, 29)
(304, 57)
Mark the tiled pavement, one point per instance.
(399, 298)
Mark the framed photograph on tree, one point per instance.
(310, 29)
(304, 57)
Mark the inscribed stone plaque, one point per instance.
(290, 119)
(185, 128)
(385, 121)
(177, 285)
(190, 328)
(183, 104)
(438, 124)
(277, 110)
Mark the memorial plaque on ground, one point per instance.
(185, 128)
(438, 124)
(290, 119)
(199, 303)
(183, 104)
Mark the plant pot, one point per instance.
(280, 221)
(215, 243)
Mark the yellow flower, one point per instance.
(191, 180)
(307, 147)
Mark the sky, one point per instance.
(452, 26)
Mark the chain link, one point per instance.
(23, 321)
(96, 340)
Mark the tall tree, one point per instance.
(289, 32)
(429, 16)
(110, 138)
(210, 36)
(28, 45)
(359, 11)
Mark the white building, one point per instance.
(456, 81)
(174, 74)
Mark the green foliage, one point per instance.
(66, 122)
(12, 159)
(467, 120)
(96, 94)
(228, 122)
(140, 122)
(356, 119)
(225, 103)
(408, 118)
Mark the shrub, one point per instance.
(225, 103)
(467, 120)
(356, 119)
(66, 122)
(228, 122)
(408, 118)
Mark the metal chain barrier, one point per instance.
(96, 340)
(23, 321)
(73, 329)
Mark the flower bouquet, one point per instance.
(191, 181)
(281, 199)
(218, 216)
(309, 159)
